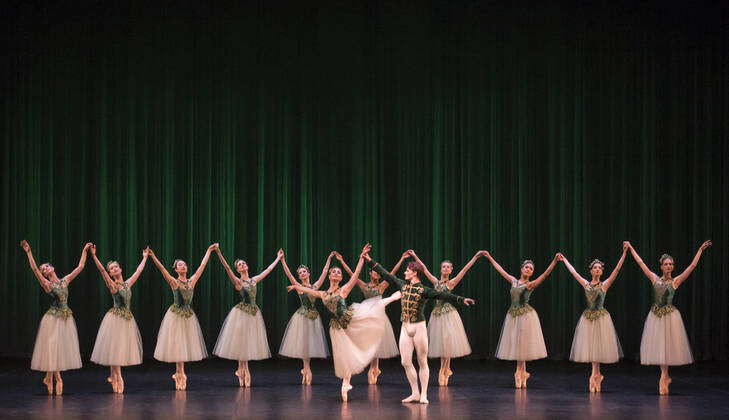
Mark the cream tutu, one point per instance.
(180, 338)
(595, 340)
(446, 335)
(388, 346)
(243, 335)
(521, 338)
(664, 340)
(304, 337)
(118, 342)
(56, 345)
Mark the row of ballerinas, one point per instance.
(360, 333)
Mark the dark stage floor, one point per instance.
(479, 389)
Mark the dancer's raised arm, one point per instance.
(355, 276)
(231, 275)
(195, 277)
(362, 285)
(81, 264)
(427, 273)
(404, 256)
(534, 283)
(508, 277)
(616, 270)
(583, 281)
(324, 272)
(138, 272)
(270, 268)
(166, 274)
(104, 275)
(44, 283)
(452, 283)
(683, 276)
(653, 277)
(287, 271)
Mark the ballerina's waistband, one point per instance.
(594, 314)
(520, 310)
(183, 311)
(308, 312)
(343, 320)
(248, 308)
(122, 313)
(660, 311)
(442, 309)
(59, 312)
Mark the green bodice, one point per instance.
(59, 300)
(663, 292)
(595, 298)
(370, 292)
(338, 307)
(122, 300)
(519, 299)
(248, 297)
(307, 306)
(182, 299)
(442, 307)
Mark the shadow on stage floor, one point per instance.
(478, 389)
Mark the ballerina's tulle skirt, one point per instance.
(596, 341)
(242, 337)
(665, 341)
(354, 347)
(521, 338)
(180, 339)
(388, 346)
(118, 342)
(304, 338)
(446, 336)
(56, 345)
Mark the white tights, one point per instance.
(414, 336)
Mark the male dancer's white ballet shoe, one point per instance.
(423, 400)
(412, 398)
(345, 390)
(49, 384)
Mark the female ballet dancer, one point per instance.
(446, 336)
(521, 336)
(595, 339)
(243, 334)
(355, 331)
(56, 345)
(304, 337)
(180, 338)
(414, 334)
(118, 342)
(374, 290)
(664, 340)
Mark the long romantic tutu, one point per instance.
(242, 337)
(354, 347)
(118, 342)
(521, 338)
(446, 336)
(388, 346)
(596, 341)
(304, 338)
(56, 345)
(665, 341)
(180, 339)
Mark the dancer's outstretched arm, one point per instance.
(428, 274)
(362, 285)
(508, 277)
(138, 272)
(166, 274)
(44, 283)
(231, 275)
(355, 276)
(270, 268)
(404, 256)
(301, 289)
(286, 270)
(104, 275)
(535, 283)
(195, 277)
(609, 282)
(653, 277)
(324, 272)
(583, 281)
(452, 283)
(81, 264)
(683, 276)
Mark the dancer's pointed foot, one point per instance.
(524, 376)
(517, 379)
(241, 380)
(177, 381)
(247, 378)
(372, 376)
(663, 384)
(183, 381)
(447, 376)
(59, 387)
(303, 376)
(598, 382)
(441, 378)
(120, 386)
(49, 384)
(345, 390)
(412, 398)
